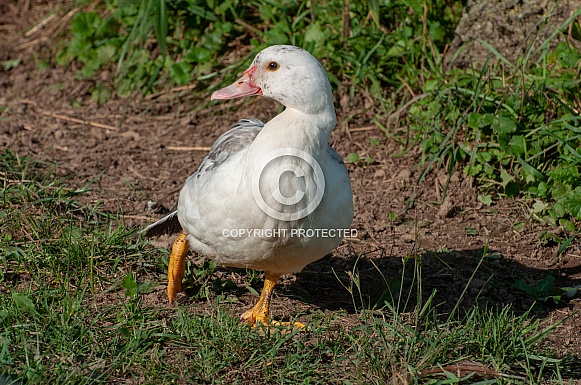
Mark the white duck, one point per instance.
(272, 197)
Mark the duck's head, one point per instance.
(287, 74)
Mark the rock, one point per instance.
(447, 209)
(379, 174)
(404, 175)
(58, 134)
(408, 237)
(455, 178)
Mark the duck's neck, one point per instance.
(296, 129)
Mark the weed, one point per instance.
(192, 37)
(413, 343)
(514, 126)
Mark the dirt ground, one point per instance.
(138, 152)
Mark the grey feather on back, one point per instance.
(238, 137)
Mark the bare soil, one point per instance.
(135, 152)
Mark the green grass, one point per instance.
(517, 130)
(73, 310)
(191, 39)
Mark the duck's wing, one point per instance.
(238, 137)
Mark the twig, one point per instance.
(346, 19)
(76, 120)
(142, 217)
(40, 111)
(63, 21)
(9, 28)
(31, 43)
(406, 86)
(403, 108)
(185, 148)
(366, 128)
(176, 89)
(461, 369)
(44, 22)
(26, 7)
(139, 175)
(249, 27)
(46, 36)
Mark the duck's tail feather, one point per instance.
(166, 225)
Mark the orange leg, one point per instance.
(177, 266)
(259, 313)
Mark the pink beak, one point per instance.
(241, 87)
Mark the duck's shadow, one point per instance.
(469, 278)
(473, 276)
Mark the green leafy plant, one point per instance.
(191, 37)
(545, 289)
(358, 159)
(9, 64)
(518, 135)
(542, 290)
(132, 288)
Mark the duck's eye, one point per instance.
(272, 66)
